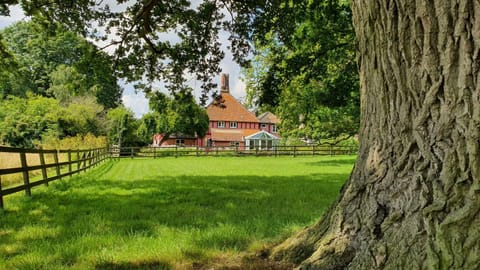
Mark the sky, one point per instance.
(137, 101)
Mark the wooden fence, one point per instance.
(176, 151)
(73, 161)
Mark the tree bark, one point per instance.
(413, 198)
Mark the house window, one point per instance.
(180, 142)
(221, 124)
(233, 124)
(274, 128)
(233, 144)
(263, 126)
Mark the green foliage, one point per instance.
(82, 116)
(166, 213)
(25, 121)
(179, 115)
(66, 83)
(122, 127)
(79, 141)
(53, 61)
(306, 71)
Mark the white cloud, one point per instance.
(135, 101)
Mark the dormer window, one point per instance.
(263, 126)
(274, 129)
(221, 124)
(233, 124)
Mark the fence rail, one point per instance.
(176, 151)
(81, 159)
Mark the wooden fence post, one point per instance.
(154, 152)
(90, 157)
(294, 151)
(131, 152)
(55, 158)
(331, 151)
(196, 151)
(26, 179)
(69, 153)
(42, 163)
(313, 150)
(1, 194)
(78, 160)
(84, 158)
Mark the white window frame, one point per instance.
(180, 142)
(233, 124)
(274, 129)
(221, 124)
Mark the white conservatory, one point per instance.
(261, 140)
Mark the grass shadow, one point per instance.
(346, 160)
(133, 266)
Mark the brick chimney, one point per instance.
(224, 84)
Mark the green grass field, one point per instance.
(170, 213)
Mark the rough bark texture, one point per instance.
(413, 199)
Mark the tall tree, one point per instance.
(306, 72)
(122, 127)
(178, 115)
(54, 57)
(412, 200)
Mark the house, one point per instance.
(175, 140)
(231, 122)
(230, 125)
(269, 122)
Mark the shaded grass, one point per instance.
(166, 213)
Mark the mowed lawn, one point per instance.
(169, 213)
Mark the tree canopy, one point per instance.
(179, 115)
(56, 62)
(307, 73)
(137, 34)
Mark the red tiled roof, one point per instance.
(268, 117)
(231, 134)
(227, 108)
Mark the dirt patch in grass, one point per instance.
(153, 265)
(257, 261)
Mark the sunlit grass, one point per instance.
(166, 213)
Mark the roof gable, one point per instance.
(268, 117)
(262, 135)
(227, 108)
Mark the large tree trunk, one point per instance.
(413, 199)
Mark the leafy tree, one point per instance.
(122, 127)
(60, 59)
(82, 116)
(148, 126)
(23, 122)
(307, 73)
(179, 115)
(66, 83)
